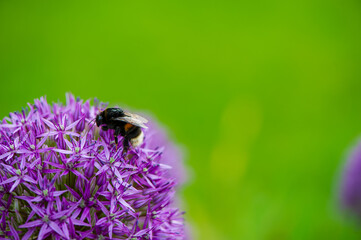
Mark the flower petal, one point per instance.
(28, 234)
(80, 223)
(72, 125)
(42, 231)
(49, 124)
(16, 183)
(56, 228)
(32, 224)
(29, 179)
(12, 179)
(58, 193)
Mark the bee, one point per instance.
(128, 125)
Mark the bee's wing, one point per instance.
(133, 119)
(136, 116)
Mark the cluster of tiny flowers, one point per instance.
(62, 177)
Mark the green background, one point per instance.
(264, 95)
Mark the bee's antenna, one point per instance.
(91, 126)
(93, 120)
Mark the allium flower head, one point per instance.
(61, 177)
(351, 183)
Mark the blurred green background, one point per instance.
(264, 95)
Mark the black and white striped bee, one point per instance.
(128, 125)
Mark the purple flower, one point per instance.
(63, 177)
(351, 183)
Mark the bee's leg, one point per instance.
(116, 133)
(125, 146)
(116, 140)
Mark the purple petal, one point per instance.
(58, 193)
(37, 210)
(71, 227)
(43, 231)
(57, 165)
(76, 213)
(14, 233)
(56, 228)
(80, 223)
(101, 221)
(49, 124)
(106, 151)
(49, 134)
(10, 169)
(72, 134)
(32, 224)
(29, 179)
(9, 157)
(102, 169)
(31, 215)
(82, 141)
(125, 204)
(74, 193)
(105, 211)
(5, 155)
(141, 233)
(65, 230)
(110, 230)
(34, 163)
(86, 234)
(52, 170)
(116, 172)
(85, 214)
(62, 151)
(72, 125)
(58, 203)
(37, 199)
(59, 214)
(28, 234)
(12, 179)
(79, 175)
(70, 146)
(21, 151)
(44, 150)
(42, 141)
(16, 183)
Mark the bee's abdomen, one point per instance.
(137, 140)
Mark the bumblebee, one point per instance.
(128, 125)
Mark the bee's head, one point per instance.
(99, 119)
